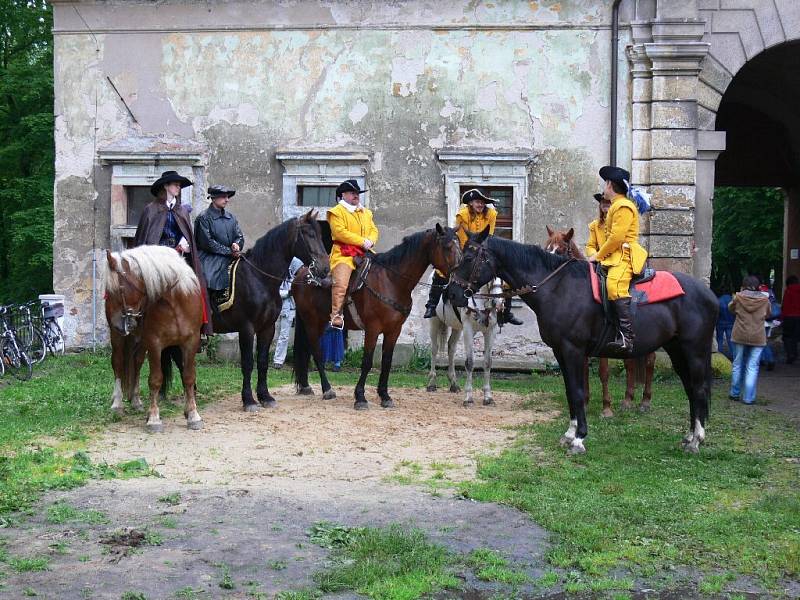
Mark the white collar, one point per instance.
(170, 203)
(350, 207)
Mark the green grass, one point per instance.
(488, 565)
(29, 563)
(61, 512)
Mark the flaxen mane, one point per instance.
(160, 269)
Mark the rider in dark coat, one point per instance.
(218, 237)
(165, 222)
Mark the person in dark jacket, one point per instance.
(219, 239)
(790, 317)
(751, 309)
(165, 222)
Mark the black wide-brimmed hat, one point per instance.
(350, 185)
(215, 191)
(475, 194)
(609, 173)
(168, 177)
(598, 197)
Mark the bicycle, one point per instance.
(12, 355)
(50, 329)
(28, 332)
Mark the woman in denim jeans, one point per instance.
(751, 308)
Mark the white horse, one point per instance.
(474, 318)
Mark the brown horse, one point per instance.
(153, 301)
(383, 304)
(562, 242)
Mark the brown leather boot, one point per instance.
(341, 278)
(625, 337)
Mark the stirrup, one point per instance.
(332, 326)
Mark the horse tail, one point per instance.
(640, 369)
(168, 355)
(302, 353)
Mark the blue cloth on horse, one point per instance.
(332, 345)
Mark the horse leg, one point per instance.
(435, 332)
(189, 379)
(370, 339)
(452, 346)
(607, 412)
(681, 367)
(586, 379)
(263, 341)
(630, 383)
(118, 365)
(154, 424)
(389, 341)
(647, 394)
(488, 342)
(698, 360)
(571, 361)
(468, 336)
(138, 361)
(246, 356)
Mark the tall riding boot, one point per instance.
(341, 279)
(624, 341)
(507, 317)
(437, 287)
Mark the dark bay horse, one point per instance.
(383, 305)
(571, 323)
(562, 243)
(153, 301)
(257, 303)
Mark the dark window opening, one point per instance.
(316, 195)
(138, 197)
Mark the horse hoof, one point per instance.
(455, 388)
(468, 403)
(306, 391)
(576, 449)
(626, 405)
(155, 427)
(692, 448)
(643, 408)
(269, 403)
(252, 408)
(361, 405)
(607, 413)
(195, 425)
(488, 401)
(118, 412)
(329, 395)
(565, 441)
(388, 403)
(431, 388)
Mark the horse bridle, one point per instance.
(311, 277)
(129, 316)
(471, 285)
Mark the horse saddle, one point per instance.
(224, 299)
(648, 288)
(358, 279)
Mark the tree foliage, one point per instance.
(747, 235)
(27, 149)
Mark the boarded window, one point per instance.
(504, 203)
(316, 195)
(138, 197)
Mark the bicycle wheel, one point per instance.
(54, 338)
(36, 348)
(16, 361)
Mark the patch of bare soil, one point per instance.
(307, 437)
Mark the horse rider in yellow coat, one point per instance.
(473, 217)
(597, 228)
(354, 234)
(620, 253)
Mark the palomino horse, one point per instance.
(257, 302)
(153, 301)
(383, 304)
(471, 320)
(571, 323)
(562, 243)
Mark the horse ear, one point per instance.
(309, 216)
(481, 237)
(569, 234)
(549, 231)
(314, 214)
(439, 229)
(112, 262)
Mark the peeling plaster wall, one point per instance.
(399, 79)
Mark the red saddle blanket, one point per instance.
(664, 286)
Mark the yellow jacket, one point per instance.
(350, 228)
(475, 223)
(622, 233)
(597, 237)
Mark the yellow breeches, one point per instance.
(619, 280)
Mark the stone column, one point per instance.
(709, 146)
(666, 58)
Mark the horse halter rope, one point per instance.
(481, 258)
(129, 316)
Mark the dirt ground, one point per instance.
(246, 489)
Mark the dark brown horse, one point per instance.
(562, 243)
(153, 301)
(257, 302)
(573, 324)
(383, 304)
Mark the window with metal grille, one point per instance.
(316, 195)
(504, 204)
